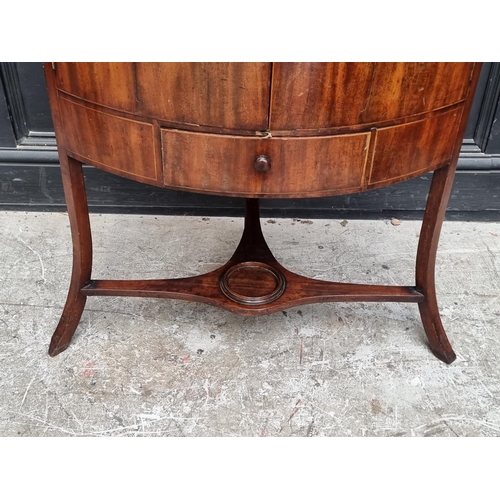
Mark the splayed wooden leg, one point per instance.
(435, 210)
(76, 200)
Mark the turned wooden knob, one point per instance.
(262, 163)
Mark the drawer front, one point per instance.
(300, 167)
(407, 150)
(118, 145)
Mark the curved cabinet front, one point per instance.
(324, 128)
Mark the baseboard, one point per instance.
(38, 187)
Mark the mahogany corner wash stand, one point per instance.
(260, 130)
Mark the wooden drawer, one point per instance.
(408, 150)
(300, 167)
(119, 145)
(327, 95)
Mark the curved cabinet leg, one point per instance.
(76, 200)
(435, 210)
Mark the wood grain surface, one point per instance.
(407, 150)
(299, 166)
(318, 95)
(109, 84)
(234, 95)
(340, 127)
(118, 145)
(406, 89)
(329, 95)
(226, 95)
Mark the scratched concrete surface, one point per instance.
(151, 367)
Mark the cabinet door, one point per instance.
(106, 83)
(345, 94)
(221, 95)
(318, 95)
(405, 89)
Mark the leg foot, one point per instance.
(68, 323)
(438, 341)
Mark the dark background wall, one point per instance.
(30, 178)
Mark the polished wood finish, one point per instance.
(215, 94)
(76, 200)
(440, 190)
(439, 194)
(407, 89)
(318, 95)
(220, 164)
(253, 250)
(327, 128)
(330, 95)
(81, 235)
(408, 150)
(259, 130)
(262, 163)
(109, 84)
(91, 136)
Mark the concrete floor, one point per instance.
(151, 367)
